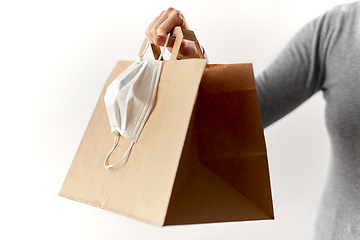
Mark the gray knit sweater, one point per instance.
(325, 55)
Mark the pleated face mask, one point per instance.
(130, 98)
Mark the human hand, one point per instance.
(163, 24)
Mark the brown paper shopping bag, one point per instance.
(201, 157)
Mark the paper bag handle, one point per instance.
(179, 35)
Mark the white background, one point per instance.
(55, 57)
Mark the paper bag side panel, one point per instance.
(206, 198)
(203, 197)
(200, 196)
(229, 132)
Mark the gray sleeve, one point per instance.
(295, 75)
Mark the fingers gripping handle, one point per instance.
(179, 35)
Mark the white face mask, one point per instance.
(130, 98)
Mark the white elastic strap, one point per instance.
(162, 52)
(146, 47)
(165, 45)
(116, 141)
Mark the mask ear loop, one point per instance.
(116, 141)
(165, 45)
(146, 47)
(162, 51)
